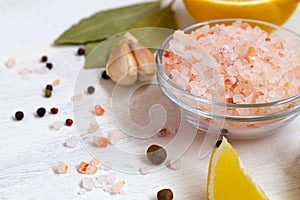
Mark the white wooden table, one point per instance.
(30, 149)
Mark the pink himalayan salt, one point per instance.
(114, 137)
(94, 126)
(101, 141)
(95, 161)
(163, 132)
(56, 82)
(62, 168)
(117, 188)
(87, 183)
(10, 63)
(86, 168)
(256, 66)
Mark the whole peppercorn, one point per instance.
(90, 89)
(69, 122)
(49, 65)
(81, 51)
(49, 87)
(165, 194)
(41, 112)
(156, 154)
(48, 93)
(104, 75)
(54, 110)
(44, 58)
(19, 115)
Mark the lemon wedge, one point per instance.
(228, 179)
(273, 11)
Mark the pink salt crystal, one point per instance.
(107, 179)
(62, 168)
(87, 183)
(91, 169)
(117, 188)
(101, 141)
(77, 97)
(56, 82)
(163, 132)
(71, 142)
(114, 137)
(94, 126)
(95, 161)
(10, 63)
(174, 165)
(144, 170)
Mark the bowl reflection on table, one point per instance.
(238, 121)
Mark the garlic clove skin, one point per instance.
(122, 66)
(145, 61)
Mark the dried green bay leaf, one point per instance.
(106, 23)
(150, 37)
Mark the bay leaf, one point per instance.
(106, 23)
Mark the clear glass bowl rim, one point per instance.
(166, 78)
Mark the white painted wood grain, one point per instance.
(29, 149)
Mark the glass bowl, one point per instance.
(236, 121)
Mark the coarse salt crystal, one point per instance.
(87, 183)
(57, 125)
(77, 97)
(56, 82)
(62, 167)
(174, 165)
(117, 188)
(163, 132)
(144, 170)
(114, 137)
(100, 141)
(86, 168)
(71, 142)
(95, 161)
(10, 63)
(94, 126)
(107, 179)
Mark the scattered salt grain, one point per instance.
(107, 179)
(10, 63)
(56, 82)
(62, 168)
(57, 125)
(117, 188)
(94, 126)
(71, 142)
(24, 72)
(86, 168)
(144, 170)
(114, 137)
(174, 165)
(77, 97)
(87, 183)
(95, 161)
(163, 132)
(100, 141)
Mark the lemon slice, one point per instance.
(273, 11)
(228, 179)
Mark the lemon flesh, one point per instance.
(273, 11)
(227, 179)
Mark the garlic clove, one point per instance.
(122, 66)
(145, 61)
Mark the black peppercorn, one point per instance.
(19, 115)
(90, 89)
(156, 154)
(165, 194)
(81, 51)
(49, 87)
(41, 112)
(49, 66)
(104, 75)
(44, 58)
